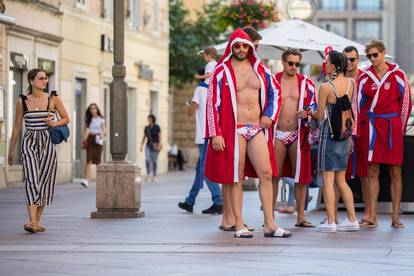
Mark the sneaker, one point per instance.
(214, 209)
(85, 183)
(326, 220)
(327, 227)
(347, 226)
(186, 206)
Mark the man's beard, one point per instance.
(291, 73)
(239, 58)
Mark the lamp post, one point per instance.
(118, 187)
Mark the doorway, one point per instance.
(132, 125)
(80, 107)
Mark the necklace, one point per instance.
(35, 102)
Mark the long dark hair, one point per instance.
(340, 62)
(88, 114)
(31, 75)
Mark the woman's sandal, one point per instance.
(30, 227)
(397, 224)
(279, 233)
(363, 223)
(233, 228)
(39, 228)
(243, 233)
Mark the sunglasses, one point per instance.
(244, 46)
(291, 63)
(352, 59)
(43, 78)
(374, 55)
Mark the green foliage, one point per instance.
(210, 27)
(187, 38)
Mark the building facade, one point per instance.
(73, 41)
(32, 40)
(87, 65)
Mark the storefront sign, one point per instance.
(47, 65)
(145, 72)
(18, 61)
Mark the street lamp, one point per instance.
(118, 187)
(301, 9)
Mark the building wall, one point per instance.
(34, 35)
(404, 53)
(68, 33)
(3, 138)
(83, 58)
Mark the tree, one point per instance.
(187, 38)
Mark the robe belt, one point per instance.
(372, 116)
(203, 84)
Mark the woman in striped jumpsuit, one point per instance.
(38, 151)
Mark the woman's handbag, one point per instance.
(57, 133)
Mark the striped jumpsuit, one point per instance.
(39, 157)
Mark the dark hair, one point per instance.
(153, 118)
(290, 51)
(88, 114)
(211, 51)
(340, 62)
(31, 75)
(252, 33)
(349, 49)
(201, 71)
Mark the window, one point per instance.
(108, 9)
(368, 5)
(80, 4)
(335, 26)
(156, 17)
(366, 30)
(135, 10)
(332, 5)
(154, 103)
(17, 85)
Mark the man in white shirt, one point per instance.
(198, 107)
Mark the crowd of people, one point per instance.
(251, 123)
(260, 125)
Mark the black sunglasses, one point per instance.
(374, 55)
(352, 59)
(291, 63)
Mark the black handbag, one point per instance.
(58, 134)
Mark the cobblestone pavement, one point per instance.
(168, 241)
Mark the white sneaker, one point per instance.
(347, 226)
(327, 227)
(85, 183)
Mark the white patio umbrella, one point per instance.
(295, 33)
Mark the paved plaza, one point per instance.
(168, 241)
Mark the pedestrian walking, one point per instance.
(152, 134)
(38, 110)
(92, 141)
(335, 144)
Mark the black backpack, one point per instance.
(341, 121)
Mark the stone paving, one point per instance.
(169, 241)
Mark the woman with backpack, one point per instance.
(335, 143)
